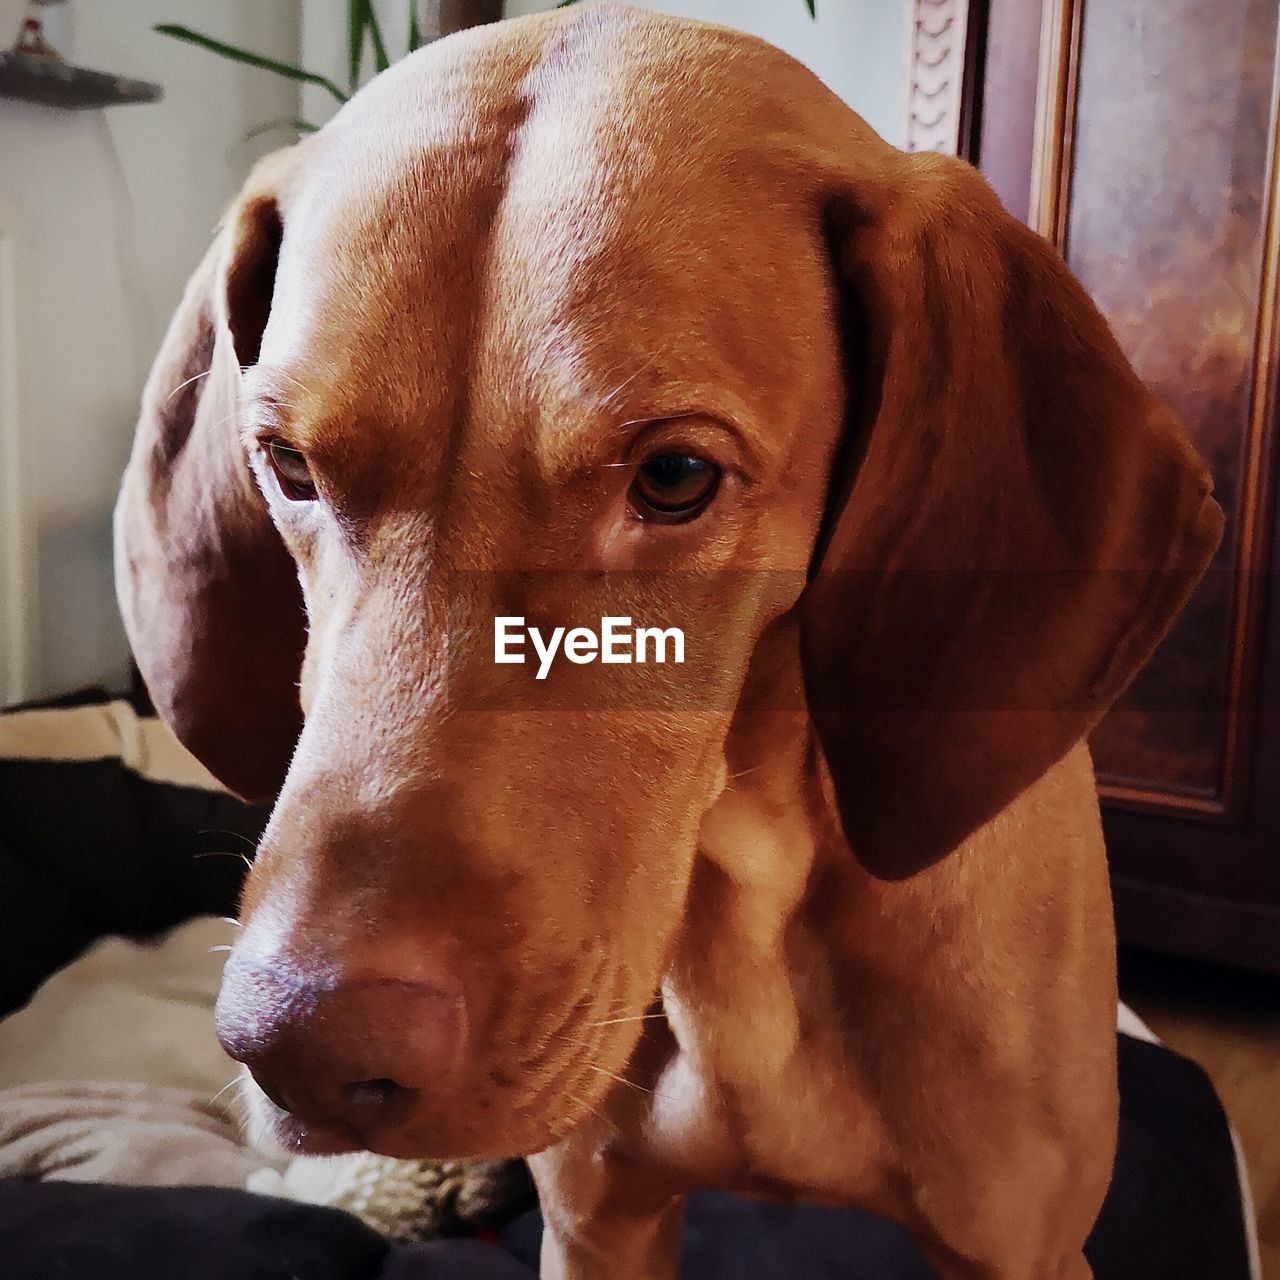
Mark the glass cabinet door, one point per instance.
(1155, 178)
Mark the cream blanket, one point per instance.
(112, 1072)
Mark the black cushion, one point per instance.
(90, 847)
(71, 1231)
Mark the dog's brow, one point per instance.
(261, 411)
(272, 383)
(723, 411)
(267, 400)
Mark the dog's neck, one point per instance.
(767, 835)
(756, 950)
(774, 825)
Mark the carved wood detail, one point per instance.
(936, 38)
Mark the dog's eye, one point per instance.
(292, 472)
(673, 487)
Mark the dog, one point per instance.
(606, 296)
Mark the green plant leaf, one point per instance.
(355, 42)
(415, 27)
(564, 4)
(235, 54)
(302, 126)
(380, 59)
(812, 7)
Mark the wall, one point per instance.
(856, 47)
(110, 211)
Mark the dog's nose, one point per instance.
(356, 1053)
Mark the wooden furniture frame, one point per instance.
(1193, 873)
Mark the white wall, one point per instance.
(113, 210)
(856, 47)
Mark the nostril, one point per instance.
(380, 1090)
(277, 1096)
(378, 1096)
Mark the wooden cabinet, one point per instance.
(1141, 137)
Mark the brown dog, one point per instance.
(608, 291)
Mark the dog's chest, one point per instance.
(781, 1125)
(764, 1092)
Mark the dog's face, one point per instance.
(608, 315)
(481, 385)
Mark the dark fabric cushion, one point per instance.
(454, 1260)
(89, 848)
(71, 1231)
(728, 1238)
(1174, 1209)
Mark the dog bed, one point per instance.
(120, 1164)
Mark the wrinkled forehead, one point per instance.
(542, 223)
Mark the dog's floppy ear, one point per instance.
(1015, 524)
(210, 596)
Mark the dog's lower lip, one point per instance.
(308, 1138)
(317, 1140)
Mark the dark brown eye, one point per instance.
(673, 487)
(292, 472)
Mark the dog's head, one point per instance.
(592, 304)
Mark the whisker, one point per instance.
(639, 1017)
(235, 1080)
(593, 1111)
(282, 373)
(226, 853)
(626, 382)
(246, 434)
(226, 417)
(221, 947)
(638, 422)
(231, 835)
(195, 377)
(578, 1046)
(613, 1075)
(231, 920)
